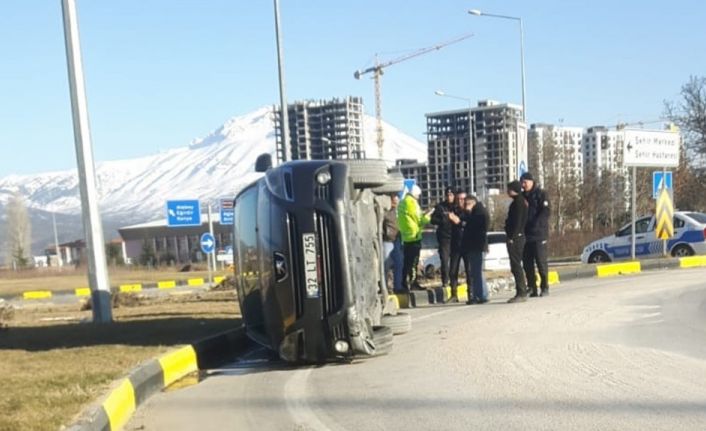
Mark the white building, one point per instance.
(602, 151)
(568, 152)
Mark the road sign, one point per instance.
(183, 213)
(658, 177)
(227, 211)
(408, 184)
(208, 243)
(665, 214)
(650, 148)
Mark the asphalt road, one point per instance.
(598, 354)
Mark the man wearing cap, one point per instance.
(474, 221)
(456, 242)
(537, 233)
(411, 221)
(515, 232)
(443, 232)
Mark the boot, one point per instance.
(517, 298)
(544, 292)
(453, 299)
(534, 293)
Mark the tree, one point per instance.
(689, 113)
(18, 232)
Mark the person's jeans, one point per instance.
(473, 262)
(444, 259)
(515, 249)
(411, 261)
(536, 252)
(394, 261)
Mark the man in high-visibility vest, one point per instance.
(411, 221)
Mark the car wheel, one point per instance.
(382, 337)
(400, 323)
(394, 184)
(429, 271)
(367, 173)
(682, 250)
(598, 257)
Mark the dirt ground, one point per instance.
(55, 362)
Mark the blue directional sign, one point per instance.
(227, 212)
(183, 213)
(208, 243)
(658, 178)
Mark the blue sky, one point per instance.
(162, 72)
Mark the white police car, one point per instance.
(689, 239)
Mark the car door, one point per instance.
(621, 247)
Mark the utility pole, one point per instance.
(97, 268)
(211, 256)
(59, 260)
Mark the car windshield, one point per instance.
(699, 217)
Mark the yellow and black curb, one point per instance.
(441, 295)
(118, 406)
(85, 292)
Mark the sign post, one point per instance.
(183, 213)
(208, 245)
(643, 148)
(227, 213)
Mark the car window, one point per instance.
(245, 225)
(699, 217)
(429, 240)
(642, 226)
(678, 223)
(497, 238)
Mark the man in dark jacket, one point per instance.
(515, 231)
(440, 218)
(474, 243)
(537, 233)
(456, 239)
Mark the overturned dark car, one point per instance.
(308, 259)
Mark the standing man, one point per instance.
(456, 240)
(515, 231)
(443, 233)
(475, 221)
(411, 221)
(537, 233)
(392, 245)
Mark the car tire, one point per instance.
(682, 250)
(367, 173)
(394, 184)
(429, 271)
(598, 257)
(400, 323)
(382, 337)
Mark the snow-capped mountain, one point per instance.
(217, 165)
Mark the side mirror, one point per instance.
(263, 163)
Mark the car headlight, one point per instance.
(323, 177)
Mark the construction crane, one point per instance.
(377, 71)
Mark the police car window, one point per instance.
(678, 223)
(699, 217)
(642, 226)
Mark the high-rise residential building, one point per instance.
(485, 145)
(603, 151)
(323, 129)
(560, 146)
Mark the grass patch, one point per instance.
(14, 283)
(52, 369)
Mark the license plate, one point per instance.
(311, 273)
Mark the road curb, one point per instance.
(116, 408)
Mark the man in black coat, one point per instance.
(515, 231)
(440, 218)
(456, 239)
(537, 233)
(474, 244)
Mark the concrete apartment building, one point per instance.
(323, 129)
(490, 147)
(568, 149)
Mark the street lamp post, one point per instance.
(470, 137)
(477, 12)
(286, 151)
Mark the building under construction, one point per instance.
(483, 152)
(323, 129)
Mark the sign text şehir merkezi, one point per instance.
(659, 149)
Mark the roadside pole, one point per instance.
(633, 212)
(59, 260)
(210, 255)
(93, 230)
(664, 185)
